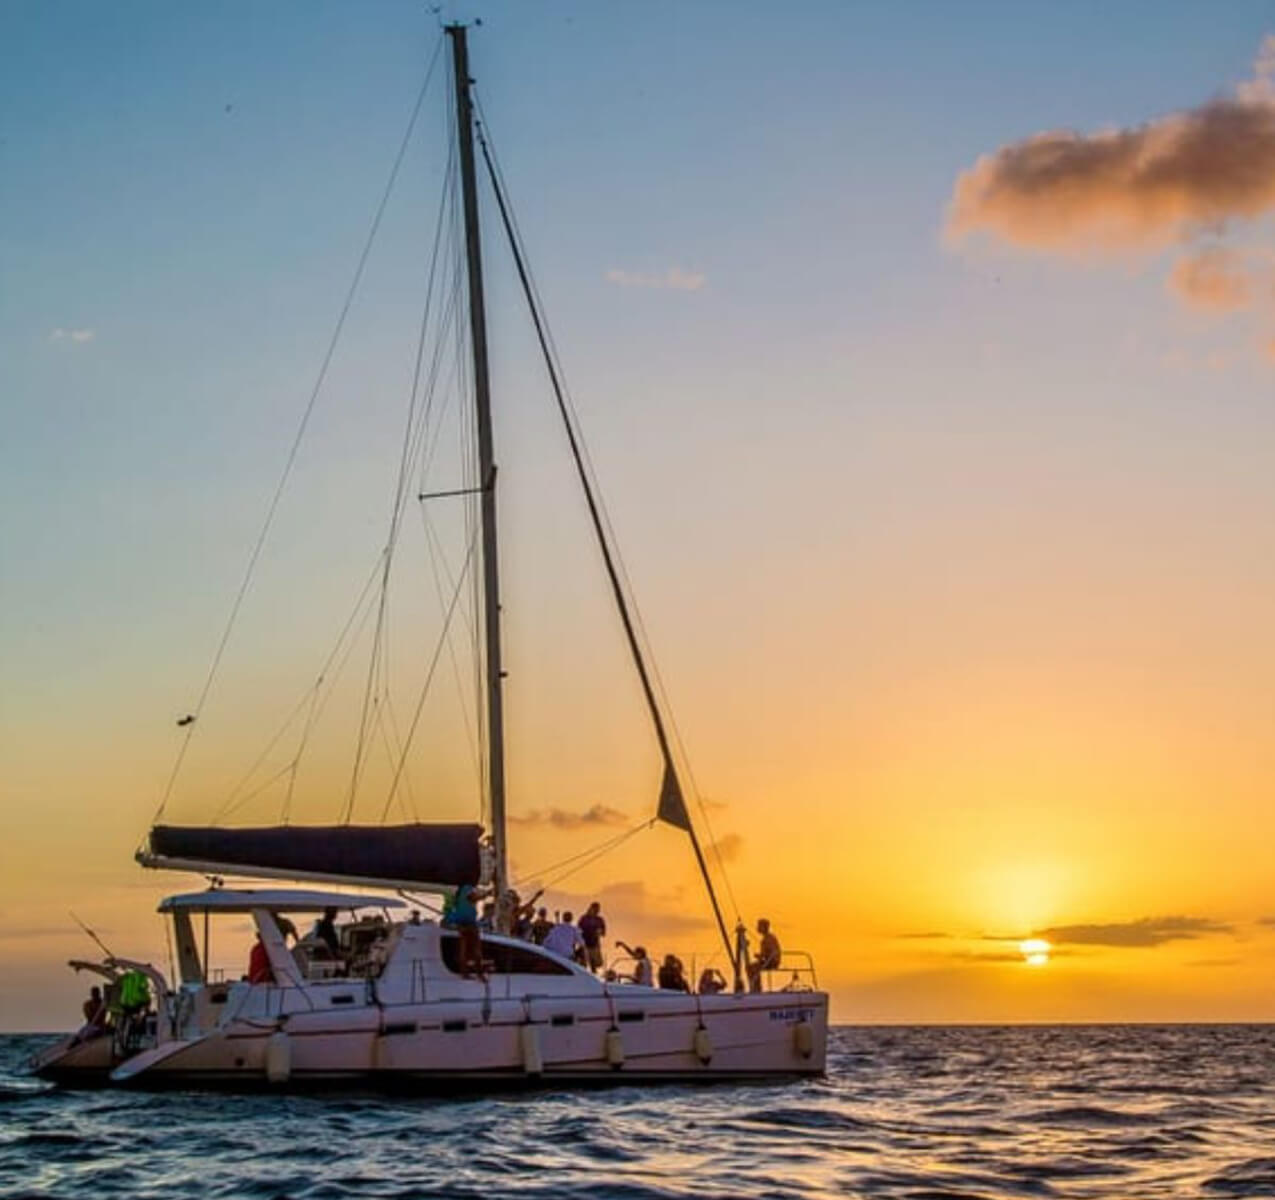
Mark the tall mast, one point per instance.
(486, 455)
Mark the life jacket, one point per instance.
(135, 991)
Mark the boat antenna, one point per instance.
(101, 944)
(486, 453)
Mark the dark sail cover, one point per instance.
(406, 855)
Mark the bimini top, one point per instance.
(242, 900)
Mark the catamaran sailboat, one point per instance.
(385, 998)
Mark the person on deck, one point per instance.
(643, 970)
(711, 981)
(95, 1007)
(325, 931)
(259, 970)
(564, 939)
(593, 928)
(769, 953)
(540, 926)
(672, 974)
(523, 917)
(465, 919)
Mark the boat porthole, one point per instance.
(239, 1062)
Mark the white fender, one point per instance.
(803, 1038)
(703, 1046)
(615, 1048)
(278, 1057)
(532, 1060)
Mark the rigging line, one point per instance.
(327, 675)
(340, 670)
(296, 444)
(377, 670)
(430, 437)
(600, 853)
(450, 324)
(420, 703)
(512, 221)
(410, 442)
(261, 787)
(435, 555)
(285, 813)
(310, 696)
(233, 801)
(614, 839)
(389, 740)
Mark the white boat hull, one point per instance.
(646, 1035)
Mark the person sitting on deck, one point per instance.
(564, 939)
(259, 969)
(711, 982)
(672, 974)
(95, 1016)
(643, 971)
(95, 1008)
(768, 955)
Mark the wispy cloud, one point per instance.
(677, 279)
(727, 847)
(1170, 182)
(600, 815)
(988, 956)
(1143, 933)
(1216, 280)
(73, 335)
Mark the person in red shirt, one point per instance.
(259, 963)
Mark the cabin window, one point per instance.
(504, 960)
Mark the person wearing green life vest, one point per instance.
(134, 992)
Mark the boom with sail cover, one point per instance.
(410, 856)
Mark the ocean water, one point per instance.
(920, 1113)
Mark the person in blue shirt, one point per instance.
(464, 916)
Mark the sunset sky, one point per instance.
(926, 358)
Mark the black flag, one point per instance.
(672, 806)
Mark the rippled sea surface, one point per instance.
(922, 1113)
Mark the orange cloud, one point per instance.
(1214, 279)
(1143, 187)
(1129, 188)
